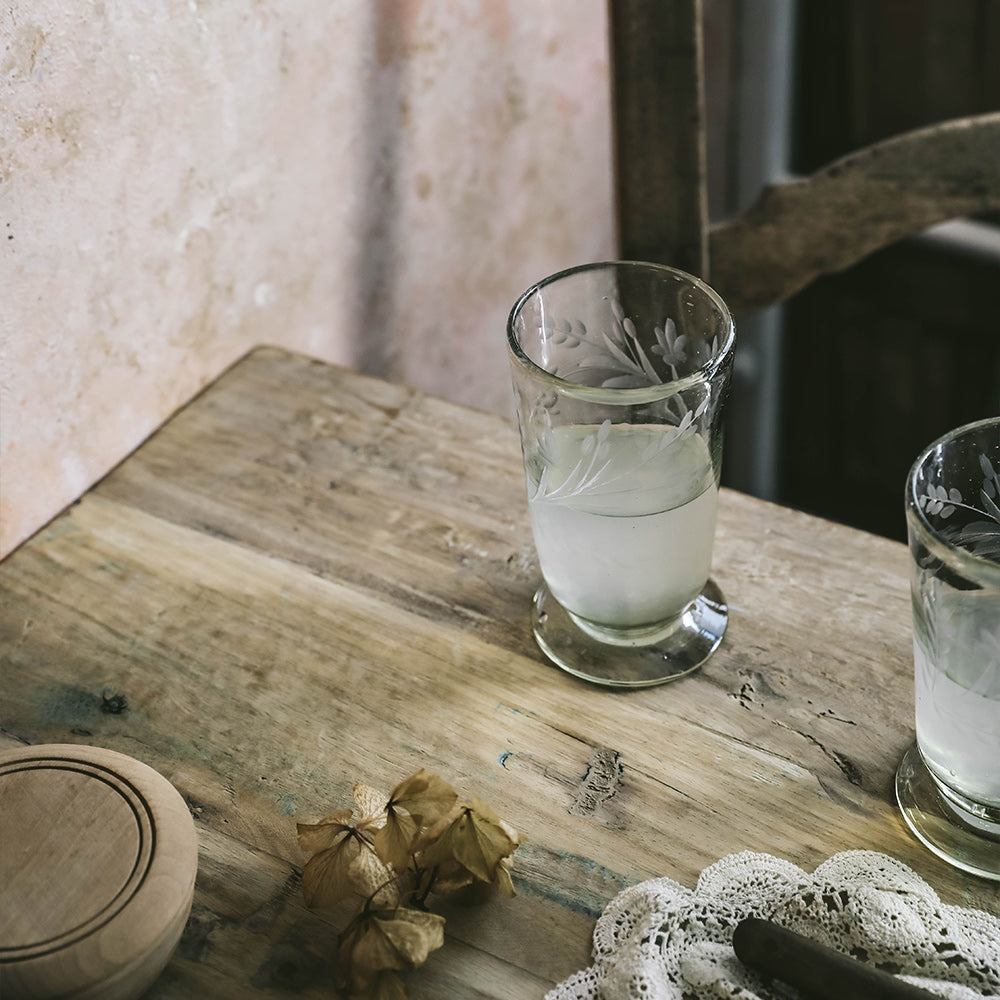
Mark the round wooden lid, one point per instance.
(98, 856)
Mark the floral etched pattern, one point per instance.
(981, 534)
(616, 358)
(599, 446)
(591, 472)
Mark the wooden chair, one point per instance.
(796, 230)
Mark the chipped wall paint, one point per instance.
(371, 183)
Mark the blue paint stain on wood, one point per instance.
(571, 881)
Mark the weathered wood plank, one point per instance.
(346, 478)
(276, 638)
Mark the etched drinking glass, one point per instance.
(948, 783)
(620, 374)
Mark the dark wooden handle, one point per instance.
(818, 972)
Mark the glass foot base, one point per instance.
(965, 842)
(631, 658)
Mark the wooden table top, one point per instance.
(309, 578)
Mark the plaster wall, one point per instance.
(371, 182)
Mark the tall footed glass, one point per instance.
(620, 374)
(948, 783)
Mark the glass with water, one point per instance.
(948, 784)
(620, 373)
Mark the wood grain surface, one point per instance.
(98, 857)
(308, 577)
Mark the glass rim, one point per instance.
(917, 517)
(634, 394)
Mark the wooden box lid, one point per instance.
(98, 856)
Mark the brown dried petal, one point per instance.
(373, 879)
(394, 842)
(484, 811)
(326, 878)
(379, 940)
(475, 839)
(447, 879)
(460, 886)
(350, 867)
(502, 881)
(371, 803)
(426, 797)
(321, 836)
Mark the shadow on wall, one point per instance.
(393, 27)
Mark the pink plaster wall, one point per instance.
(371, 183)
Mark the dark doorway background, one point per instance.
(879, 360)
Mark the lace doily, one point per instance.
(660, 941)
